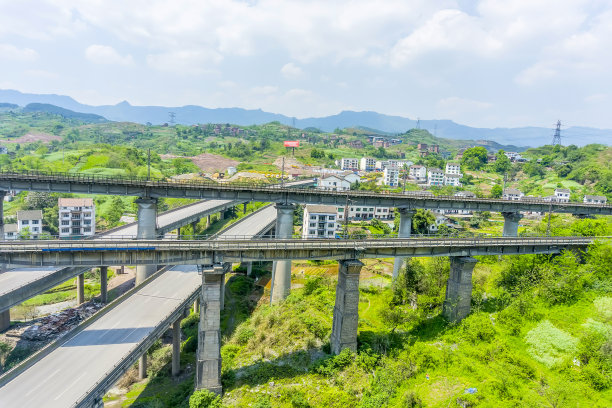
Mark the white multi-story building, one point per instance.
(30, 219)
(349, 164)
(512, 194)
(77, 217)
(367, 164)
(435, 177)
(562, 195)
(418, 172)
(382, 164)
(319, 221)
(391, 176)
(356, 212)
(453, 168)
(452, 180)
(513, 156)
(592, 199)
(10, 231)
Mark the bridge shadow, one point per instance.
(109, 336)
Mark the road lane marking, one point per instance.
(40, 384)
(70, 385)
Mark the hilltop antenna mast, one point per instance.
(557, 137)
(172, 115)
(418, 125)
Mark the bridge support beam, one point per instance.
(104, 284)
(147, 226)
(208, 221)
(208, 355)
(457, 304)
(194, 226)
(80, 289)
(405, 229)
(346, 309)
(176, 347)
(511, 223)
(244, 208)
(281, 273)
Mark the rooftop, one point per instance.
(10, 228)
(321, 209)
(562, 190)
(512, 191)
(594, 197)
(75, 202)
(29, 215)
(435, 170)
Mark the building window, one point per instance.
(332, 217)
(313, 224)
(65, 215)
(87, 222)
(65, 230)
(65, 222)
(34, 222)
(87, 229)
(76, 231)
(311, 232)
(25, 222)
(88, 215)
(313, 217)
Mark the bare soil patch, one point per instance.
(33, 137)
(207, 162)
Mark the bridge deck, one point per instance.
(89, 360)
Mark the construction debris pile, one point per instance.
(57, 324)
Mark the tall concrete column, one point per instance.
(196, 305)
(244, 208)
(208, 355)
(208, 221)
(346, 309)
(511, 223)
(457, 304)
(281, 273)
(2, 194)
(80, 289)
(178, 233)
(5, 320)
(405, 229)
(194, 226)
(176, 347)
(249, 266)
(5, 317)
(147, 226)
(104, 284)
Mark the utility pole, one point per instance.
(418, 125)
(149, 164)
(283, 173)
(405, 176)
(557, 136)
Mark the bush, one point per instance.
(332, 365)
(478, 328)
(204, 399)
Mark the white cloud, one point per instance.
(192, 62)
(291, 71)
(11, 53)
(104, 54)
(264, 90)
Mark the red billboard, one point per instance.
(292, 143)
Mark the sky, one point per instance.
(483, 63)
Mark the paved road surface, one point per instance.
(251, 226)
(62, 377)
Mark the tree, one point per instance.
(394, 316)
(497, 191)
(474, 158)
(405, 286)
(204, 399)
(421, 221)
(502, 163)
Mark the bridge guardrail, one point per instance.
(195, 184)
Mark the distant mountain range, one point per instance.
(191, 114)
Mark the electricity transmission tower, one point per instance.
(172, 115)
(557, 137)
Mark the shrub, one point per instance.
(478, 327)
(332, 365)
(549, 345)
(204, 399)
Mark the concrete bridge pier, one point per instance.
(244, 208)
(208, 221)
(457, 304)
(208, 355)
(176, 347)
(5, 320)
(5, 317)
(405, 229)
(346, 309)
(104, 284)
(511, 223)
(281, 272)
(147, 229)
(80, 289)
(147, 226)
(194, 225)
